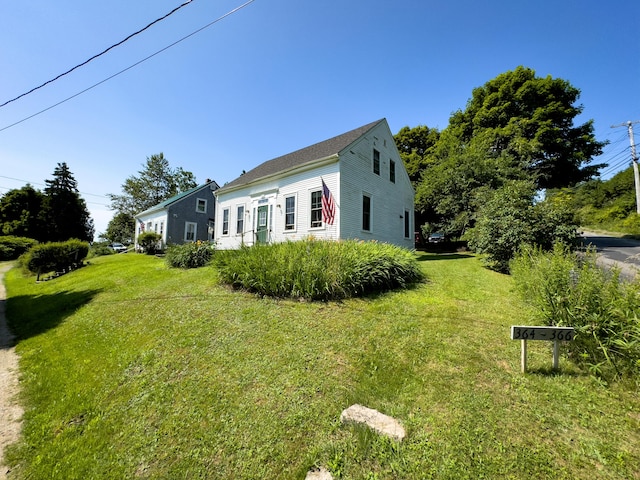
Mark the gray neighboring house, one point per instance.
(186, 217)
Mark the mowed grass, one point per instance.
(133, 370)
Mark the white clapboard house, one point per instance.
(353, 186)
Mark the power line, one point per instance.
(129, 67)
(44, 184)
(96, 56)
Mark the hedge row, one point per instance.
(12, 247)
(55, 256)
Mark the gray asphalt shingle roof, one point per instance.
(300, 157)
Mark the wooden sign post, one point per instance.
(554, 334)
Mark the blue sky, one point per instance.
(279, 75)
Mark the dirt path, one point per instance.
(10, 411)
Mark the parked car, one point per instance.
(436, 237)
(117, 247)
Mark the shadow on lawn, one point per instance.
(443, 256)
(31, 315)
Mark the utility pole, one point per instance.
(634, 160)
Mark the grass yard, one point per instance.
(133, 370)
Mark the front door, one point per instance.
(261, 227)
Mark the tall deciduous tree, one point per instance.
(65, 211)
(121, 228)
(21, 213)
(517, 127)
(156, 182)
(532, 119)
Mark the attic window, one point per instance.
(201, 205)
(376, 162)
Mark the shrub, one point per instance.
(190, 255)
(12, 247)
(150, 242)
(55, 256)
(572, 290)
(318, 270)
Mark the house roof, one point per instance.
(176, 198)
(300, 157)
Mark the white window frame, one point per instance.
(203, 202)
(225, 221)
(240, 219)
(290, 227)
(317, 209)
(188, 230)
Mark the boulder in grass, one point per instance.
(379, 422)
(321, 474)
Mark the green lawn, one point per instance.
(133, 370)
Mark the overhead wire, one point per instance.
(97, 55)
(222, 17)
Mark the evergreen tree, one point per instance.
(65, 211)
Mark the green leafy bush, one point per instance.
(189, 255)
(12, 247)
(55, 256)
(572, 290)
(318, 270)
(150, 242)
(509, 218)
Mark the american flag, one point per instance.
(328, 205)
(141, 226)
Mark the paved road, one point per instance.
(623, 252)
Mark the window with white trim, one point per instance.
(225, 221)
(190, 230)
(316, 209)
(201, 205)
(240, 220)
(290, 213)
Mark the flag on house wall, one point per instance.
(141, 227)
(328, 205)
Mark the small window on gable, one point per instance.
(225, 221)
(376, 162)
(392, 171)
(201, 205)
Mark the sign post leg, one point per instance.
(555, 354)
(523, 356)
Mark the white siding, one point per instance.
(389, 200)
(273, 194)
(158, 218)
(348, 177)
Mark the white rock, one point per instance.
(322, 474)
(375, 420)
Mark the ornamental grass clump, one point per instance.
(317, 269)
(189, 255)
(572, 290)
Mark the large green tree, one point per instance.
(415, 145)
(21, 213)
(156, 182)
(517, 127)
(64, 210)
(121, 228)
(532, 119)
